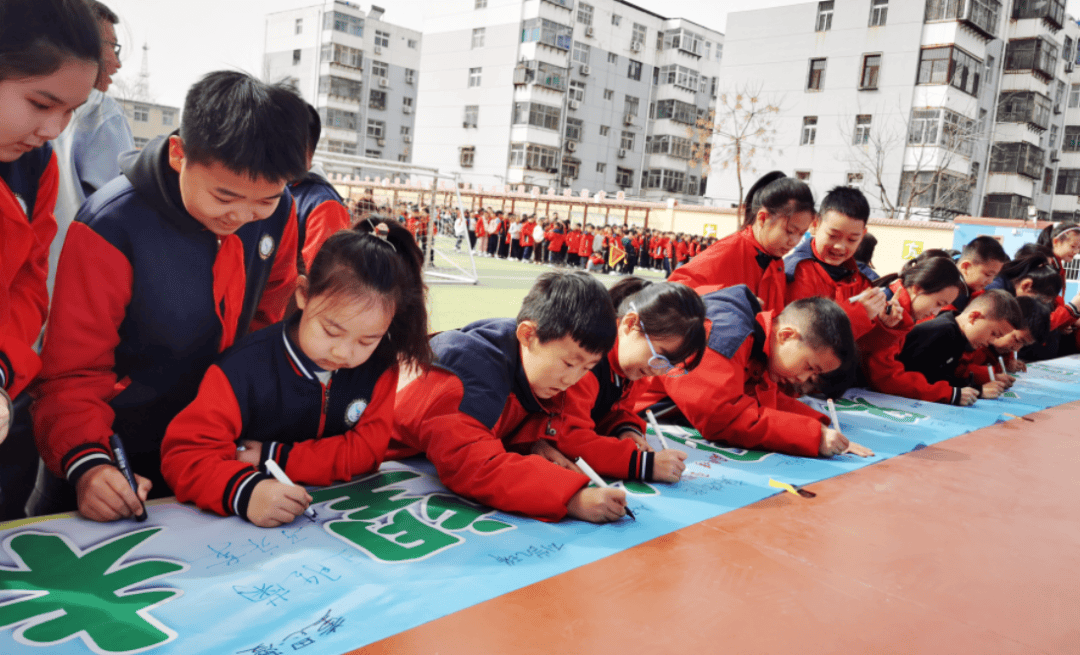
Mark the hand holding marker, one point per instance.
(597, 480)
(656, 429)
(275, 470)
(122, 463)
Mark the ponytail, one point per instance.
(1044, 276)
(777, 194)
(932, 274)
(665, 309)
(1052, 232)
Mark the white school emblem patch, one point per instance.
(266, 246)
(22, 203)
(355, 411)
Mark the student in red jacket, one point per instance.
(779, 210)
(1035, 329)
(320, 211)
(573, 241)
(490, 377)
(1063, 239)
(733, 396)
(1036, 275)
(556, 239)
(163, 269)
(661, 326)
(481, 232)
(315, 393)
(49, 57)
(526, 238)
(585, 246)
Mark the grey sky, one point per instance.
(190, 38)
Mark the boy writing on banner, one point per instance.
(733, 396)
(191, 248)
(1003, 350)
(980, 262)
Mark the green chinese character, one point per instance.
(402, 538)
(863, 405)
(370, 498)
(732, 454)
(453, 513)
(68, 592)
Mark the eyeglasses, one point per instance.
(116, 47)
(657, 362)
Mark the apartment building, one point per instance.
(934, 108)
(358, 70)
(148, 120)
(597, 96)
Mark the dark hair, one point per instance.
(848, 201)
(865, 252)
(573, 304)
(931, 275)
(250, 127)
(1051, 232)
(102, 12)
(357, 262)
(984, 249)
(822, 324)
(314, 126)
(1033, 248)
(1045, 277)
(997, 305)
(38, 36)
(1036, 318)
(777, 194)
(669, 309)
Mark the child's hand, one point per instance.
(5, 415)
(895, 314)
(597, 505)
(1007, 379)
(1016, 366)
(992, 390)
(548, 451)
(105, 495)
(273, 503)
(669, 465)
(638, 439)
(249, 452)
(834, 443)
(873, 301)
(968, 396)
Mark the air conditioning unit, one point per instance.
(567, 181)
(635, 46)
(409, 80)
(575, 104)
(383, 82)
(1055, 156)
(381, 142)
(521, 75)
(406, 139)
(589, 31)
(571, 146)
(585, 69)
(1069, 66)
(406, 109)
(378, 50)
(622, 153)
(629, 119)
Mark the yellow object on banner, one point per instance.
(710, 230)
(615, 254)
(783, 485)
(912, 249)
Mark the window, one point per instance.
(879, 12)
(345, 120)
(581, 53)
(676, 146)
(1068, 182)
(474, 77)
(410, 76)
(944, 127)
(343, 55)
(403, 158)
(478, 37)
(627, 142)
(535, 114)
(295, 57)
(612, 58)
(631, 105)
(1023, 158)
(577, 91)
(573, 129)
(1074, 96)
(382, 38)
(541, 73)
(480, 4)
(376, 129)
(406, 130)
(1052, 11)
(340, 22)
(412, 43)
(584, 13)
(342, 147)
(708, 50)
(140, 142)
(533, 157)
(547, 32)
(380, 69)
(802, 175)
(1024, 107)
(936, 190)
(1068, 50)
(824, 16)
(809, 131)
(604, 130)
(871, 65)
(624, 177)
(683, 39)
(1071, 141)
(817, 75)
(608, 94)
(676, 110)
(406, 101)
(1036, 55)
(141, 114)
(1006, 205)
(639, 35)
(340, 87)
(854, 179)
(862, 130)
(299, 26)
(472, 113)
(373, 154)
(616, 20)
(983, 14)
(633, 71)
(949, 65)
(1048, 180)
(680, 76)
(571, 167)
(168, 117)
(377, 99)
(467, 154)
(601, 167)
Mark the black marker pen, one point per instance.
(125, 468)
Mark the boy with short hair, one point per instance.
(492, 375)
(164, 267)
(980, 262)
(1036, 328)
(734, 397)
(320, 211)
(935, 347)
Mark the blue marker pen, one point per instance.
(122, 463)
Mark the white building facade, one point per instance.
(935, 108)
(597, 96)
(359, 71)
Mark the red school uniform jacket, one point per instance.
(573, 239)
(481, 229)
(145, 299)
(464, 412)
(320, 212)
(973, 364)
(808, 277)
(880, 350)
(737, 259)
(526, 238)
(555, 239)
(266, 389)
(27, 227)
(682, 252)
(585, 244)
(730, 397)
